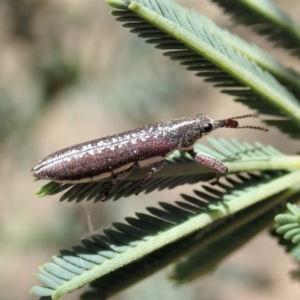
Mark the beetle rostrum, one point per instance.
(115, 156)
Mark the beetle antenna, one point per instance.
(231, 123)
(246, 116)
(254, 127)
(251, 127)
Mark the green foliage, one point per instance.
(266, 19)
(289, 224)
(198, 225)
(128, 246)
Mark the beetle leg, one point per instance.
(211, 163)
(114, 179)
(154, 168)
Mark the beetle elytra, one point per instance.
(115, 156)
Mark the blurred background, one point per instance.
(70, 73)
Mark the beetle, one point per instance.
(115, 156)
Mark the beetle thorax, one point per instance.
(186, 131)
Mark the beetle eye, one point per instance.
(207, 127)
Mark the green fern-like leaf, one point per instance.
(207, 258)
(289, 78)
(289, 224)
(196, 45)
(180, 169)
(286, 231)
(266, 19)
(118, 255)
(291, 248)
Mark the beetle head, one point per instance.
(209, 125)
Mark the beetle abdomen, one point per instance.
(103, 157)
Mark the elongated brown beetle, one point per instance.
(115, 156)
